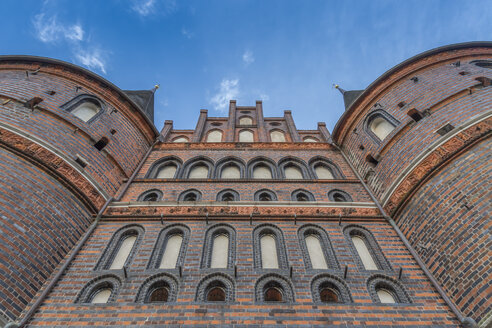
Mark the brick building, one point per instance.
(246, 220)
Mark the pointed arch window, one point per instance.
(273, 288)
(316, 248)
(386, 290)
(328, 288)
(269, 257)
(171, 252)
(364, 253)
(199, 172)
(367, 252)
(101, 290)
(167, 172)
(302, 195)
(293, 172)
(268, 247)
(323, 172)
(245, 120)
(323, 168)
(230, 171)
(170, 248)
(160, 288)
(262, 172)
(121, 248)
(217, 287)
(219, 247)
(191, 195)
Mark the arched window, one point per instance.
(152, 195)
(219, 250)
(323, 168)
(380, 124)
(327, 288)
(121, 248)
(167, 172)
(363, 252)
(262, 172)
(199, 172)
(198, 168)
(337, 195)
(367, 252)
(245, 120)
(323, 172)
(262, 168)
(292, 172)
(316, 248)
(310, 139)
(170, 248)
(246, 136)
(301, 195)
(191, 195)
(386, 290)
(228, 195)
(265, 195)
(277, 136)
(231, 171)
(268, 248)
(164, 168)
(85, 107)
(180, 139)
(86, 110)
(217, 287)
(100, 290)
(214, 136)
(482, 63)
(160, 288)
(274, 288)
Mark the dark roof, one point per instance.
(350, 96)
(144, 99)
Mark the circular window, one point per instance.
(328, 295)
(273, 294)
(216, 124)
(216, 294)
(275, 124)
(159, 295)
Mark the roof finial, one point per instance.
(157, 86)
(336, 86)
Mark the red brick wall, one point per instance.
(426, 309)
(448, 219)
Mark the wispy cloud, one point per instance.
(93, 59)
(154, 7)
(187, 33)
(48, 29)
(228, 90)
(264, 97)
(248, 57)
(144, 8)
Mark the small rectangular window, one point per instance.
(414, 114)
(371, 160)
(445, 129)
(101, 143)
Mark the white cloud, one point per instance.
(264, 97)
(229, 90)
(48, 29)
(145, 7)
(93, 59)
(187, 33)
(248, 57)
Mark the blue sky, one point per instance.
(204, 53)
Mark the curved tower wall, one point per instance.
(432, 173)
(53, 178)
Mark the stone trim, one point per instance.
(155, 281)
(165, 161)
(269, 229)
(381, 281)
(213, 280)
(104, 281)
(372, 245)
(274, 280)
(161, 243)
(326, 246)
(114, 245)
(210, 234)
(331, 281)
